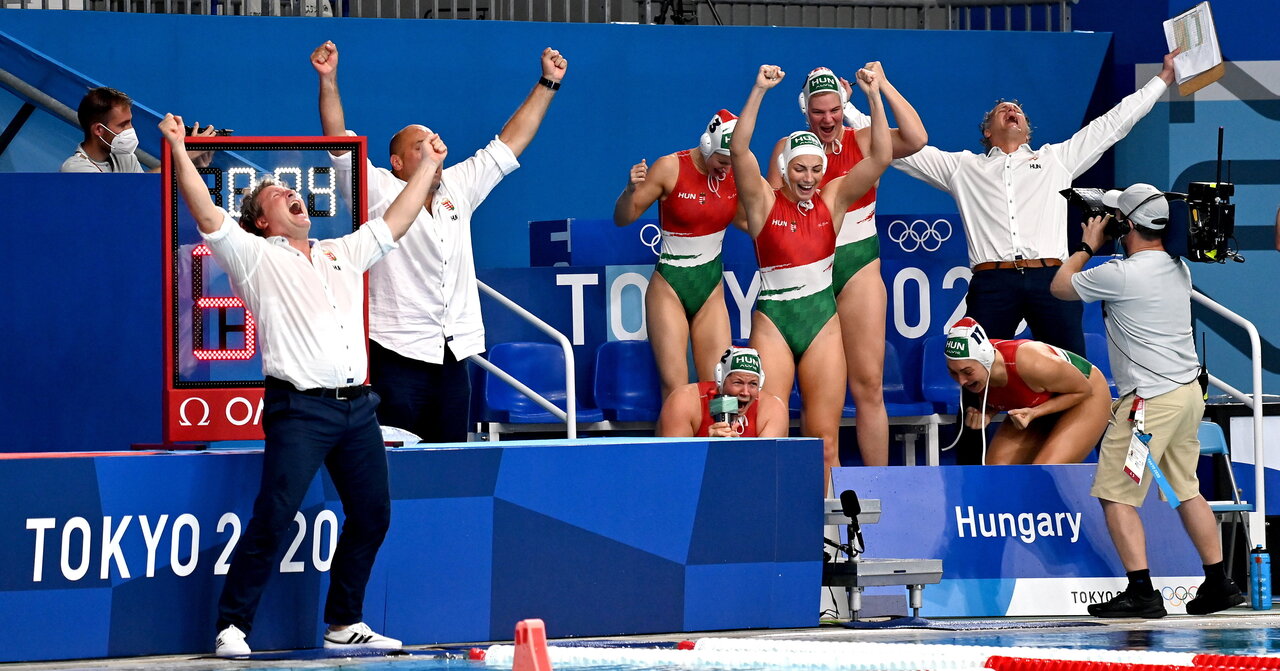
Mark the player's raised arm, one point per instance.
(863, 176)
(753, 191)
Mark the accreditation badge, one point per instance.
(1135, 463)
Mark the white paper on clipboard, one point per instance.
(1193, 30)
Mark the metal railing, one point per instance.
(36, 97)
(1253, 401)
(570, 415)
(1038, 15)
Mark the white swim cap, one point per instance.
(800, 143)
(967, 340)
(821, 80)
(715, 140)
(739, 360)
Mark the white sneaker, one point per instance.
(357, 636)
(230, 643)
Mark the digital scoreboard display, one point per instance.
(213, 365)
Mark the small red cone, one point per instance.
(476, 654)
(531, 647)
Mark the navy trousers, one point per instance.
(999, 299)
(303, 432)
(431, 400)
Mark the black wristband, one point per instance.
(1084, 247)
(554, 86)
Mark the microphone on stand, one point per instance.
(852, 508)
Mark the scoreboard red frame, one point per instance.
(224, 410)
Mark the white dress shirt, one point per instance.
(1010, 202)
(426, 295)
(309, 311)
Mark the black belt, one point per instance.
(1018, 264)
(339, 393)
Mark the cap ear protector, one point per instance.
(967, 340)
(715, 139)
(739, 359)
(800, 143)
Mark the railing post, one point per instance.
(570, 370)
(1257, 519)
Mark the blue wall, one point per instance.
(82, 311)
(630, 92)
(615, 108)
(689, 535)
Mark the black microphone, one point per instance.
(852, 508)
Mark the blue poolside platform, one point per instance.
(123, 554)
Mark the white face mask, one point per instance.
(125, 142)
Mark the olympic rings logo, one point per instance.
(651, 238)
(919, 234)
(1176, 596)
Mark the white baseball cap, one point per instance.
(1142, 204)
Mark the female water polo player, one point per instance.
(794, 326)
(861, 300)
(1058, 403)
(696, 202)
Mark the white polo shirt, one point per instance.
(1148, 319)
(1010, 202)
(426, 296)
(309, 311)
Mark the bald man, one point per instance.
(424, 304)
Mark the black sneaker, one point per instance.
(1128, 604)
(1211, 599)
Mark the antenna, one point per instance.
(1218, 179)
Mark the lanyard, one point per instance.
(1137, 415)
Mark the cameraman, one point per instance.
(1148, 321)
(687, 411)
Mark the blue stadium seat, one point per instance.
(1095, 350)
(936, 385)
(539, 365)
(627, 386)
(900, 398)
(1213, 444)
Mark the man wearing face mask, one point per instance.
(110, 142)
(106, 116)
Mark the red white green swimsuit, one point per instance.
(858, 243)
(1015, 393)
(795, 250)
(693, 220)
